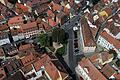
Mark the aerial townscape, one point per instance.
(59, 39)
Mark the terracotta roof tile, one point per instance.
(15, 20)
(50, 13)
(41, 61)
(66, 11)
(51, 22)
(117, 76)
(113, 29)
(41, 8)
(2, 74)
(106, 56)
(94, 73)
(60, 15)
(15, 31)
(22, 7)
(108, 71)
(50, 67)
(94, 31)
(60, 67)
(45, 26)
(111, 40)
(94, 58)
(1, 17)
(56, 7)
(52, 70)
(4, 27)
(26, 46)
(89, 16)
(28, 59)
(34, 2)
(108, 11)
(87, 35)
(57, 1)
(27, 68)
(1, 52)
(28, 25)
(106, 1)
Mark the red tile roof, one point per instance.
(4, 27)
(50, 13)
(42, 61)
(45, 26)
(117, 76)
(111, 40)
(71, 2)
(108, 11)
(87, 35)
(1, 17)
(51, 22)
(106, 56)
(56, 7)
(52, 70)
(26, 46)
(28, 25)
(66, 11)
(1, 52)
(106, 1)
(94, 58)
(113, 29)
(22, 7)
(89, 16)
(94, 31)
(93, 72)
(28, 59)
(15, 20)
(2, 74)
(27, 68)
(108, 71)
(60, 15)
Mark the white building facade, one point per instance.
(82, 73)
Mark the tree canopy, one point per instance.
(59, 35)
(43, 38)
(118, 63)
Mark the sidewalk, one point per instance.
(56, 46)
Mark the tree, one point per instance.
(118, 63)
(13, 1)
(95, 2)
(62, 50)
(113, 52)
(59, 35)
(43, 38)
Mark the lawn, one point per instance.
(62, 50)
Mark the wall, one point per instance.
(80, 72)
(4, 41)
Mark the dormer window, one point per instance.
(86, 69)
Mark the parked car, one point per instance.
(75, 34)
(76, 40)
(75, 45)
(76, 50)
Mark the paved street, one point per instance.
(70, 58)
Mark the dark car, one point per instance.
(75, 40)
(75, 45)
(77, 50)
(75, 34)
